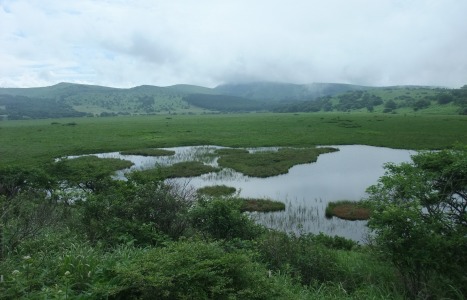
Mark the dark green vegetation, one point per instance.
(217, 190)
(348, 210)
(225, 103)
(261, 205)
(148, 152)
(144, 238)
(246, 204)
(67, 230)
(76, 100)
(420, 221)
(270, 163)
(35, 142)
(402, 100)
(88, 172)
(181, 169)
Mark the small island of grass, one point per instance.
(217, 190)
(178, 170)
(260, 205)
(348, 210)
(268, 163)
(245, 204)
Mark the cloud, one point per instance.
(207, 42)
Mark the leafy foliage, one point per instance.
(140, 214)
(420, 219)
(194, 270)
(306, 259)
(27, 206)
(222, 219)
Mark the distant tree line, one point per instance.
(358, 100)
(20, 107)
(456, 96)
(224, 103)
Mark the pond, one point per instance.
(305, 189)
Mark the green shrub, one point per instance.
(419, 221)
(192, 270)
(302, 256)
(144, 214)
(222, 219)
(334, 242)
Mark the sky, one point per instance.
(211, 42)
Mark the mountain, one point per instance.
(76, 100)
(98, 100)
(273, 91)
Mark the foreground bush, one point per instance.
(420, 222)
(192, 270)
(222, 219)
(142, 214)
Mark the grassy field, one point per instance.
(37, 141)
(348, 210)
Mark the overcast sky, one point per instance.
(209, 42)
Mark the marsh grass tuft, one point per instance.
(217, 190)
(178, 170)
(348, 210)
(148, 152)
(260, 205)
(270, 163)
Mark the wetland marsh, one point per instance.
(306, 189)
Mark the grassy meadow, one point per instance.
(145, 239)
(30, 142)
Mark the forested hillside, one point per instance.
(387, 100)
(75, 100)
(225, 103)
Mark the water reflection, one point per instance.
(306, 189)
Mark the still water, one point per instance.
(305, 189)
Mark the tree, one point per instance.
(421, 104)
(390, 105)
(444, 98)
(420, 222)
(28, 205)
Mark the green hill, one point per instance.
(273, 91)
(97, 100)
(397, 99)
(74, 100)
(225, 103)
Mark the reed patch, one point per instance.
(348, 210)
(270, 163)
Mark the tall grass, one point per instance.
(37, 141)
(348, 210)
